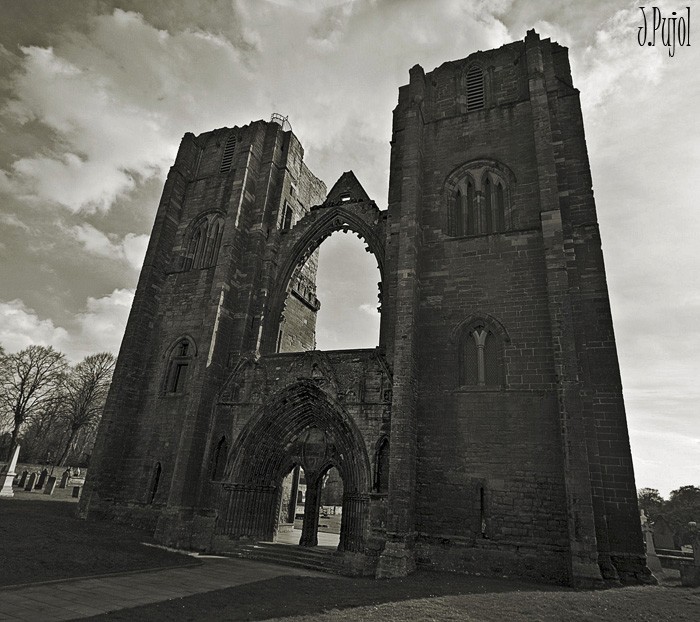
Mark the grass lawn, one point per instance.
(421, 597)
(43, 540)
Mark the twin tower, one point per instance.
(486, 433)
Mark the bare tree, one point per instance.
(85, 392)
(29, 380)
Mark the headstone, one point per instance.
(42, 479)
(690, 573)
(7, 475)
(663, 534)
(30, 481)
(64, 478)
(50, 485)
(653, 562)
(76, 492)
(23, 479)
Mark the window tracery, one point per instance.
(477, 201)
(177, 369)
(204, 242)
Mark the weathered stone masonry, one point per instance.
(495, 388)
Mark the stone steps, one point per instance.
(311, 558)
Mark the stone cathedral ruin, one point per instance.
(486, 433)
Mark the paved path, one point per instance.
(325, 540)
(80, 598)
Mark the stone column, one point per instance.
(7, 475)
(292, 509)
(312, 505)
(354, 521)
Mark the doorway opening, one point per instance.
(311, 511)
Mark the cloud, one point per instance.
(118, 97)
(131, 248)
(11, 220)
(117, 109)
(20, 327)
(369, 309)
(614, 64)
(99, 327)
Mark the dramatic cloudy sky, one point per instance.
(95, 96)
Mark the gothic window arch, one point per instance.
(475, 88)
(219, 461)
(204, 240)
(462, 212)
(477, 198)
(179, 362)
(494, 201)
(480, 354)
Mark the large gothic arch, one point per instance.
(362, 217)
(274, 441)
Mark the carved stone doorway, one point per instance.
(300, 426)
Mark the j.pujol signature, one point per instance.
(672, 30)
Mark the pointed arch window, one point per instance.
(220, 458)
(463, 211)
(204, 242)
(475, 88)
(480, 356)
(178, 367)
(477, 200)
(494, 203)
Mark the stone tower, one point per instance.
(487, 431)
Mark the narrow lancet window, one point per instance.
(480, 357)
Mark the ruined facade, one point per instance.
(486, 432)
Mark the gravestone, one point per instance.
(23, 479)
(7, 475)
(653, 562)
(30, 482)
(64, 478)
(76, 492)
(42, 479)
(690, 573)
(663, 534)
(50, 485)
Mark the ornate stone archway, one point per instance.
(300, 425)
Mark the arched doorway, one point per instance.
(303, 426)
(293, 509)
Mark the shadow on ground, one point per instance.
(309, 596)
(45, 541)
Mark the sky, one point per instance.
(95, 96)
